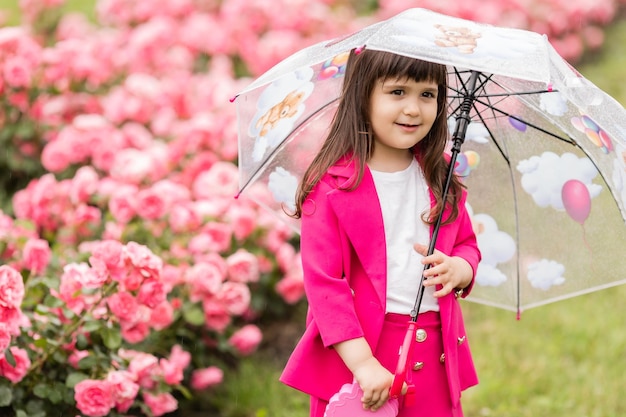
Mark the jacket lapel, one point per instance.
(360, 215)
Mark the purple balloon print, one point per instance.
(576, 200)
(518, 124)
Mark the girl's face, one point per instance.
(402, 111)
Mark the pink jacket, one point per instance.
(344, 261)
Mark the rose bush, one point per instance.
(131, 279)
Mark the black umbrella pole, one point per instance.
(462, 122)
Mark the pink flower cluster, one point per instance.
(142, 374)
(11, 319)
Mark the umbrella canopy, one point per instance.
(540, 148)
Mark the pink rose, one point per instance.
(235, 296)
(150, 204)
(94, 397)
(76, 356)
(124, 389)
(11, 287)
(142, 259)
(15, 373)
(137, 135)
(172, 368)
(17, 72)
(124, 306)
(183, 218)
(243, 267)
(205, 279)
(207, 377)
(56, 156)
(84, 184)
(222, 179)
(291, 288)
(160, 404)
(216, 317)
(172, 275)
(144, 367)
(36, 255)
(135, 332)
(214, 237)
(123, 204)
(12, 319)
(110, 253)
(132, 166)
(5, 337)
(70, 291)
(161, 316)
(286, 256)
(151, 293)
(243, 220)
(84, 275)
(246, 339)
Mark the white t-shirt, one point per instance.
(404, 197)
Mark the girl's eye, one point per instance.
(397, 92)
(428, 94)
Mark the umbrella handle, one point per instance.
(403, 370)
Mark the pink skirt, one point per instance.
(432, 395)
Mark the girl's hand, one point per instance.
(452, 272)
(375, 381)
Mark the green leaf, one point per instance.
(112, 338)
(8, 355)
(41, 390)
(51, 301)
(194, 315)
(6, 396)
(183, 390)
(87, 362)
(74, 378)
(92, 326)
(41, 343)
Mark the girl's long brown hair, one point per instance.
(351, 135)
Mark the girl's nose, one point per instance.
(412, 108)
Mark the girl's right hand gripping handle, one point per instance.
(403, 370)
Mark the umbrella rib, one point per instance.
(521, 93)
(492, 136)
(534, 126)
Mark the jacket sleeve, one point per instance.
(465, 244)
(329, 296)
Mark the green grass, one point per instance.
(12, 11)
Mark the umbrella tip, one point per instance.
(519, 315)
(359, 49)
(233, 98)
(237, 195)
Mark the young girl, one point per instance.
(368, 203)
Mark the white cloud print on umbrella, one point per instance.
(564, 183)
(495, 246)
(283, 186)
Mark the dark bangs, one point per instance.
(388, 65)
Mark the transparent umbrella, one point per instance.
(540, 148)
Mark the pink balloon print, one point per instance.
(576, 200)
